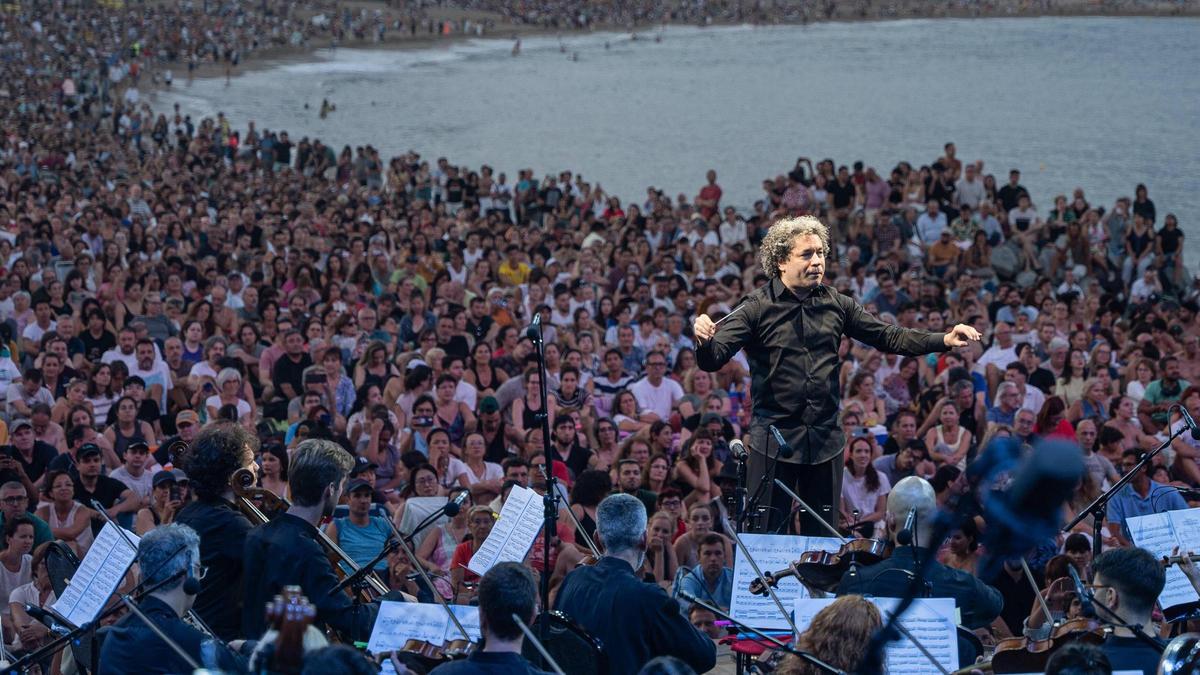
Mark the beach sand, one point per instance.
(865, 10)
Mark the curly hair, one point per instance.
(216, 452)
(776, 247)
(838, 635)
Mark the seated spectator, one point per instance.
(710, 580)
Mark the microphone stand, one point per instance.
(359, 576)
(416, 563)
(429, 520)
(550, 499)
(763, 481)
(810, 658)
(1099, 506)
(740, 506)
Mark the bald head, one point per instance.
(909, 493)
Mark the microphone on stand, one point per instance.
(535, 329)
(47, 619)
(785, 450)
(454, 506)
(738, 450)
(1085, 596)
(906, 534)
(1190, 422)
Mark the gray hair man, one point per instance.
(979, 603)
(609, 599)
(169, 557)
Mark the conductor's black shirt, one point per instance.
(222, 530)
(792, 347)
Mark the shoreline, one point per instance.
(505, 32)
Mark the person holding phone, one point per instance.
(226, 392)
(166, 499)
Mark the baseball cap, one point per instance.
(138, 444)
(180, 476)
(23, 422)
(489, 404)
(357, 484)
(187, 417)
(88, 450)
(362, 465)
(163, 477)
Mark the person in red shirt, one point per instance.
(479, 524)
(709, 199)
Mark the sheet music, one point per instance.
(513, 534)
(930, 620)
(1186, 524)
(469, 618)
(101, 571)
(772, 552)
(398, 622)
(1157, 534)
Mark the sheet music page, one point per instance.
(1186, 523)
(398, 622)
(101, 571)
(468, 616)
(772, 552)
(930, 620)
(513, 534)
(1157, 534)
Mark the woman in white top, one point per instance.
(229, 389)
(948, 442)
(69, 520)
(31, 634)
(483, 478)
(1143, 375)
(15, 562)
(864, 491)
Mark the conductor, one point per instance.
(791, 328)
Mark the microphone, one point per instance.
(453, 507)
(905, 536)
(738, 450)
(1189, 493)
(47, 619)
(688, 596)
(1085, 596)
(1189, 421)
(535, 329)
(785, 450)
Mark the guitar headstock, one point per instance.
(290, 613)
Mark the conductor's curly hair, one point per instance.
(776, 247)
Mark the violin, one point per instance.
(1024, 655)
(824, 569)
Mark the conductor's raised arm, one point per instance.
(716, 343)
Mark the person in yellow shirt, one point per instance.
(513, 271)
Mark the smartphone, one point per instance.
(175, 495)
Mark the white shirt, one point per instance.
(996, 356)
(115, 354)
(33, 332)
(658, 400)
(970, 192)
(466, 393)
(1034, 398)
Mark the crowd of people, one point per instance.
(164, 275)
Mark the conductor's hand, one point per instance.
(704, 328)
(960, 336)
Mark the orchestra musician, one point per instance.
(506, 589)
(1128, 581)
(636, 619)
(791, 329)
(287, 551)
(978, 603)
(132, 647)
(210, 461)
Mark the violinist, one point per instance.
(979, 603)
(507, 589)
(131, 646)
(210, 461)
(1128, 581)
(287, 550)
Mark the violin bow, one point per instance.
(1036, 592)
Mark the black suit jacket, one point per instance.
(285, 552)
(132, 647)
(634, 620)
(979, 603)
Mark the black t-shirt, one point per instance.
(94, 347)
(1043, 379)
(456, 346)
(1130, 653)
(454, 190)
(480, 330)
(65, 462)
(843, 195)
(497, 449)
(577, 463)
(41, 457)
(1170, 239)
(1009, 196)
(288, 371)
(107, 491)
